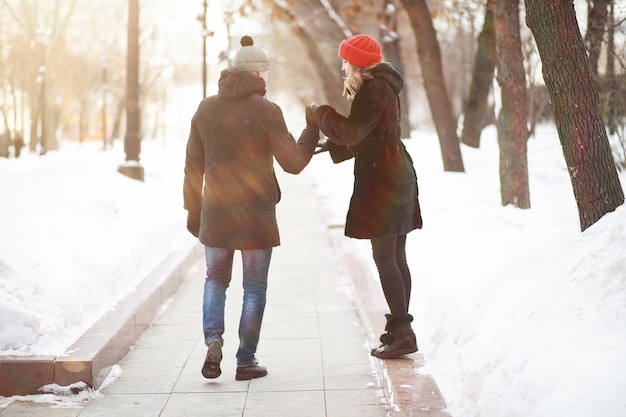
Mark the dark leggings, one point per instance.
(390, 257)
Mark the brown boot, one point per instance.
(384, 338)
(251, 371)
(398, 342)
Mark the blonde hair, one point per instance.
(353, 82)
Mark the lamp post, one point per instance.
(43, 37)
(105, 87)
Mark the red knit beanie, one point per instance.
(360, 50)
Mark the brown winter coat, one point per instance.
(234, 139)
(385, 196)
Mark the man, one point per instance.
(231, 191)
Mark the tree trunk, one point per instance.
(83, 121)
(391, 52)
(361, 16)
(35, 114)
(596, 19)
(434, 84)
(331, 76)
(576, 105)
(117, 118)
(482, 79)
(15, 106)
(610, 73)
(3, 112)
(512, 120)
(132, 139)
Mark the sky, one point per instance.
(517, 312)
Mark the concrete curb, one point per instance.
(103, 345)
(408, 393)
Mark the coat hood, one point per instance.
(390, 75)
(238, 84)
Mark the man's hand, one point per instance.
(193, 222)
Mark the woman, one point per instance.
(384, 206)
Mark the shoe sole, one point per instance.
(396, 354)
(211, 368)
(246, 377)
(373, 350)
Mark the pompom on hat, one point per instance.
(361, 50)
(250, 57)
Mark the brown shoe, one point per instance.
(211, 368)
(254, 370)
(402, 343)
(385, 338)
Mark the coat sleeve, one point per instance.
(339, 153)
(351, 130)
(292, 156)
(194, 171)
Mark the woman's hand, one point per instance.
(311, 117)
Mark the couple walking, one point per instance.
(231, 191)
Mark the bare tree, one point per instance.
(434, 84)
(133, 136)
(320, 26)
(378, 19)
(596, 20)
(576, 104)
(538, 99)
(331, 80)
(512, 119)
(391, 50)
(482, 80)
(612, 91)
(360, 16)
(45, 25)
(78, 35)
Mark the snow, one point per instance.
(77, 236)
(68, 396)
(517, 312)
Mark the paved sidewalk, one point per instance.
(323, 314)
(312, 342)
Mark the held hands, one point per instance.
(322, 146)
(311, 117)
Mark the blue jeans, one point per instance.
(219, 266)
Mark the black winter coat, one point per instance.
(385, 196)
(233, 141)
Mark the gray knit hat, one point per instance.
(250, 57)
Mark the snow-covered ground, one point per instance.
(517, 312)
(76, 236)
